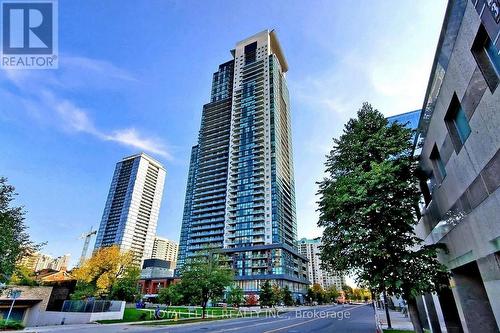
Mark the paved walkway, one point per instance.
(398, 320)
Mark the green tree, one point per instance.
(368, 207)
(171, 295)
(266, 294)
(14, 239)
(277, 295)
(332, 293)
(205, 277)
(310, 296)
(235, 296)
(318, 293)
(125, 288)
(348, 291)
(287, 296)
(23, 276)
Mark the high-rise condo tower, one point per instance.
(131, 212)
(240, 195)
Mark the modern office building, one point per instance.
(165, 249)
(241, 194)
(311, 249)
(460, 132)
(131, 212)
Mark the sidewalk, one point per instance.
(398, 320)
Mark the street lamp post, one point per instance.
(13, 293)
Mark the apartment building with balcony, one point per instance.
(240, 195)
(131, 213)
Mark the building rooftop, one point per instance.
(146, 156)
(274, 44)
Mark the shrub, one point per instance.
(11, 324)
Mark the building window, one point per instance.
(487, 58)
(457, 123)
(437, 165)
(250, 53)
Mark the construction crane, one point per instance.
(87, 236)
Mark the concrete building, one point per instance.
(131, 212)
(241, 193)
(155, 274)
(310, 248)
(460, 161)
(49, 305)
(165, 249)
(40, 261)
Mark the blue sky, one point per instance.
(134, 75)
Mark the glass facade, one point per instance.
(493, 55)
(131, 213)
(461, 124)
(242, 198)
(410, 119)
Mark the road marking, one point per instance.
(239, 327)
(305, 322)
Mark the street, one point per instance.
(351, 318)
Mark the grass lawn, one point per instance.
(175, 312)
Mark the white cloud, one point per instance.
(131, 137)
(41, 95)
(383, 61)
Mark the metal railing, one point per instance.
(91, 306)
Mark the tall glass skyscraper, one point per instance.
(131, 213)
(240, 196)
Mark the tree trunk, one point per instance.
(386, 306)
(413, 311)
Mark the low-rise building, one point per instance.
(155, 274)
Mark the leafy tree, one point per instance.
(310, 296)
(287, 296)
(125, 288)
(23, 276)
(171, 295)
(14, 239)
(266, 294)
(318, 293)
(205, 277)
(332, 293)
(368, 206)
(83, 290)
(100, 272)
(235, 296)
(348, 291)
(277, 295)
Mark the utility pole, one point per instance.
(87, 236)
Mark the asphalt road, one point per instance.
(327, 319)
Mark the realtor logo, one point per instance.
(29, 34)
